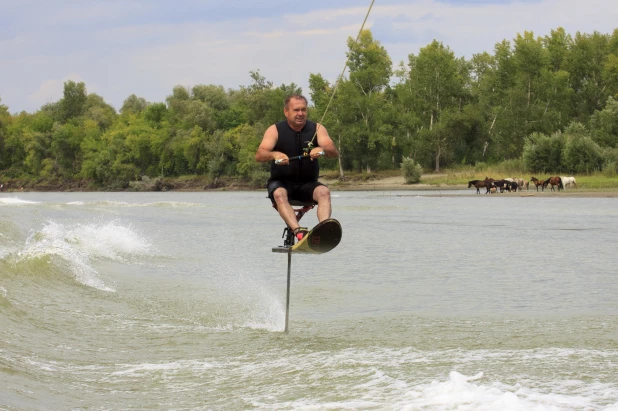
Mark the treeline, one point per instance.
(547, 102)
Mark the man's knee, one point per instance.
(280, 195)
(321, 193)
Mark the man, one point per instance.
(296, 180)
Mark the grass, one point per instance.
(600, 181)
(461, 175)
(596, 181)
(355, 176)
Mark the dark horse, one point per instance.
(538, 183)
(487, 183)
(553, 181)
(507, 185)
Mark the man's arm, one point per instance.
(325, 144)
(265, 150)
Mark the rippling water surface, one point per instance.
(175, 301)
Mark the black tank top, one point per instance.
(292, 143)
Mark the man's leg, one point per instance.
(280, 195)
(321, 195)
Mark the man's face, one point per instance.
(296, 112)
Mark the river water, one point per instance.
(171, 300)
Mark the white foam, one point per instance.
(397, 379)
(474, 393)
(172, 204)
(79, 244)
(272, 318)
(265, 308)
(13, 201)
(169, 367)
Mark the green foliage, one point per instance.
(543, 153)
(610, 169)
(604, 124)
(155, 114)
(369, 63)
(514, 166)
(412, 170)
(133, 105)
(582, 155)
(73, 103)
(538, 103)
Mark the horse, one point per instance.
(478, 184)
(506, 184)
(553, 181)
(538, 183)
(568, 182)
(512, 184)
(520, 183)
(526, 184)
(490, 184)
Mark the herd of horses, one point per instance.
(514, 184)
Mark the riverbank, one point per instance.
(429, 182)
(397, 183)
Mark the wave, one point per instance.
(409, 379)
(373, 378)
(13, 201)
(77, 246)
(162, 204)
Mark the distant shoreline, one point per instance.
(398, 184)
(390, 184)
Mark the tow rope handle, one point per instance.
(321, 153)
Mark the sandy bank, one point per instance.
(398, 184)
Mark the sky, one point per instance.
(146, 47)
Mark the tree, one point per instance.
(178, 106)
(5, 117)
(214, 96)
(604, 125)
(543, 153)
(438, 85)
(525, 101)
(65, 149)
(557, 45)
(585, 64)
(99, 111)
(155, 114)
(362, 113)
(321, 94)
(582, 155)
(73, 102)
(133, 105)
(262, 103)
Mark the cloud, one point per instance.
(147, 47)
(53, 89)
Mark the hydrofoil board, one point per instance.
(321, 239)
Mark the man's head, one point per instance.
(295, 110)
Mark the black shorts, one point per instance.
(296, 191)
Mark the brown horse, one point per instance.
(480, 183)
(538, 183)
(553, 181)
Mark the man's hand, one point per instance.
(316, 152)
(281, 159)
